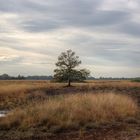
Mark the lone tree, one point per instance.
(67, 61)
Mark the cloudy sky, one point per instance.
(104, 33)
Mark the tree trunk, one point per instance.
(69, 83)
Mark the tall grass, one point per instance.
(72, 111)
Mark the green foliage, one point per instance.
(67, 61)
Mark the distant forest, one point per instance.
(20, 77)
(36, 77)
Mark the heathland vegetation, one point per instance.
(72, 111)
(48, 108)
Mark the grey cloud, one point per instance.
(131, 28)
(20, 6)
(42, 25)
(113, 58)
(107, 52)
(95, 19)
(52, 15)
(50, 5)
(99, 18)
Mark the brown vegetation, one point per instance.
(44, 107)
(73, 111)
(18, 93)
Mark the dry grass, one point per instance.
(17, 93)
(109, 84)
(72, 111)
(16, 87)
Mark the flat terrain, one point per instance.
(31, 102)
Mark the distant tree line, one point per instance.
(20, 77)
(36, 77)
(116, 78)
(7, 77)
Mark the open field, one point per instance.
(90, 110)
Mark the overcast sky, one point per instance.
(105, 34)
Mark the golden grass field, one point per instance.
(48, 108)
